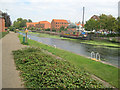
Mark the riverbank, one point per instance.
(103, 71)
(91, 42)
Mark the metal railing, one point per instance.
(95, 56)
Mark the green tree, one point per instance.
(118, 25)
(20, 23)
(29, 20)
(7, 19)
(110, 23)
(91, 24)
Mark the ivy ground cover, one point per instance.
(40, 70)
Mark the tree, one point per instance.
(7, 19)
(91, 24)
(20, 23)
(106, 22)
(62, 28)
(29, 20)
(118, 25)
(110, 23)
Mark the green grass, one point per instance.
(101, 43)
(40, 70)
(2, 34)
(105, 72)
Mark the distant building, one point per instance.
(75, 26)
(31, 24)
(43, 25)
(2, 23)
(119, 9)
(58, 23)
(79, 26)
(95, 17)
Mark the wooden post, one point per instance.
(26, 37)
(26, 31)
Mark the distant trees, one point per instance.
(29, 20)
(118, 25)
(7, 19)
(62, 28)
(106, 22)
(21, 23)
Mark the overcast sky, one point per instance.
(39, 10)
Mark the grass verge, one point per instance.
(40, 70)
(103, 71)
(2, 34)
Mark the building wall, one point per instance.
(43, 25)
(2, 25)
(31, 24)
(58, 23)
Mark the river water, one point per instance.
(107, 54)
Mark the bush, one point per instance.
(47, 29)
(53, 30)
(12, 28)
(40, 70)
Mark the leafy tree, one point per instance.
(110, 23)
(91, 24)
(7, 19)
(12, 28)
(106, 22)
(29, 20)
(118, 25)
(20, 23)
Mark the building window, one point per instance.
(56, 22)
(62, 22)
(56, 25)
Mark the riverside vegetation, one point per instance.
(103, 71)
(40, 70)
(2, 34)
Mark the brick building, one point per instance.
(31, 24)
(2, 23)
(43, 25)
(57, 23)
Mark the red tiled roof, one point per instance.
(60, 20)
(44, 22)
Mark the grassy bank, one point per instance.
(40, 70)
(2, 34)
(98, 43)
(103, 43)
(105, 72)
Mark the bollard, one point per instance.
(23, 39)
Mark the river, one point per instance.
(107, 54)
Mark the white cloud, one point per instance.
(67, 9)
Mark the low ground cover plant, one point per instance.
(40, 70)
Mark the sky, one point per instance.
(41, 10)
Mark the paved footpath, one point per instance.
(10, 76)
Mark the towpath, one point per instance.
(10, 76)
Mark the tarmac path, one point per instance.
(10, 76)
